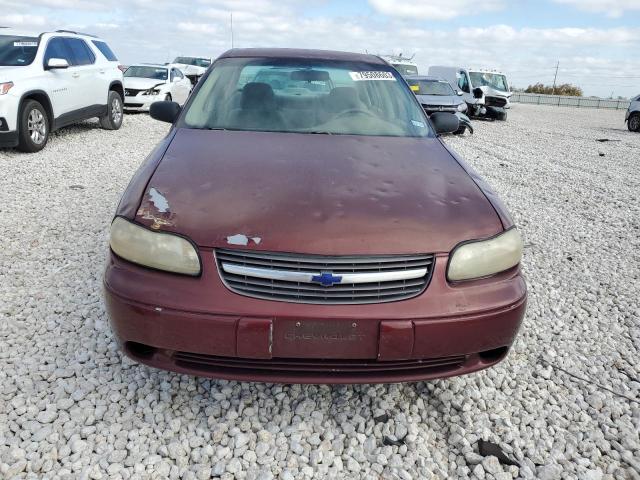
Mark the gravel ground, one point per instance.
(565, 404)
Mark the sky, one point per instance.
(596, 42)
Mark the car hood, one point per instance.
(492, 92)
(139, 83)
(445, 101)
(322, 194)
(191, 69)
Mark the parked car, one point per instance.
(436, 95)
(193, 67)
(486, 92)
(632, 117)
(405, 65)
(52, 79)
(147, 83)
(330, 237)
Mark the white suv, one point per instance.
(53, 79)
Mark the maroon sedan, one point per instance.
(302, 222)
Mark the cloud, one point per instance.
(612, 8)
(23, 20)
(434, 9)
(597, 58)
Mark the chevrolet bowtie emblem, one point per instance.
(326, 279)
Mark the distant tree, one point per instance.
(565, 89)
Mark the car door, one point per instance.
(178, 86)
(89, 87)
(60, 81)
(464, 85)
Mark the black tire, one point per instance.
(115, 113)
(460, 131)
(501, 116)
(33, 127)
(167, 97)
(633, 124)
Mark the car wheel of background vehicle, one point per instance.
(460, 131)
(33, 127)
(634, 123)
(502, 116)
(113, 119)
(167, 97)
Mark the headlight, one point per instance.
(5, 87)
(152, 91)
(161, 250)
(485, 257)
(462, 107)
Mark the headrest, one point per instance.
(257, 96)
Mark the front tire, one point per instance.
(167, 97)
(113, 119)
(633, 124)
(33, 127)
(501, 116)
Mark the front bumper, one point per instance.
(198, 326)
(140, 103)
(8, 139)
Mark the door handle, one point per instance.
(75, 75)
(101, 71)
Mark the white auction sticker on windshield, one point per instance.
(359, 76)
(25, 44)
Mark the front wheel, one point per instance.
(501, 116)
(167, 97)
(634, 123)
(113, 119)
(33, 127)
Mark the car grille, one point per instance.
(438, 108)
(131, 92)
(305, 367)
(495, 101)
(134, 105)
(310, 278)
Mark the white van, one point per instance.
(486, 92)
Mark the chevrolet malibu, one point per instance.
(302, 222)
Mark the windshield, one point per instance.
(312, 96)
(405, 69)
(493, 80)
(430, 87)
(198, 62)
(17, 51)
(157, 73)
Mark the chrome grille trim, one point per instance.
(306, 277)
(288, 277)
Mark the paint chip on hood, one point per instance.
(238, 239)
(158, 200)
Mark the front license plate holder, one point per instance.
(330, 339)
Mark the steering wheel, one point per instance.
(354, 111)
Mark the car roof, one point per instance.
(155, 65)
(302, 53)
(426, 77)
(27, 33)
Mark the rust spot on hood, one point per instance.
(155, 209)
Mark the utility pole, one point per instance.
(231, 29)
(554, 78)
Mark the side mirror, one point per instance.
(443, 122)
(55, 63)
(164, 111)
(477, 92)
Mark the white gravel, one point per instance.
(72, 407)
